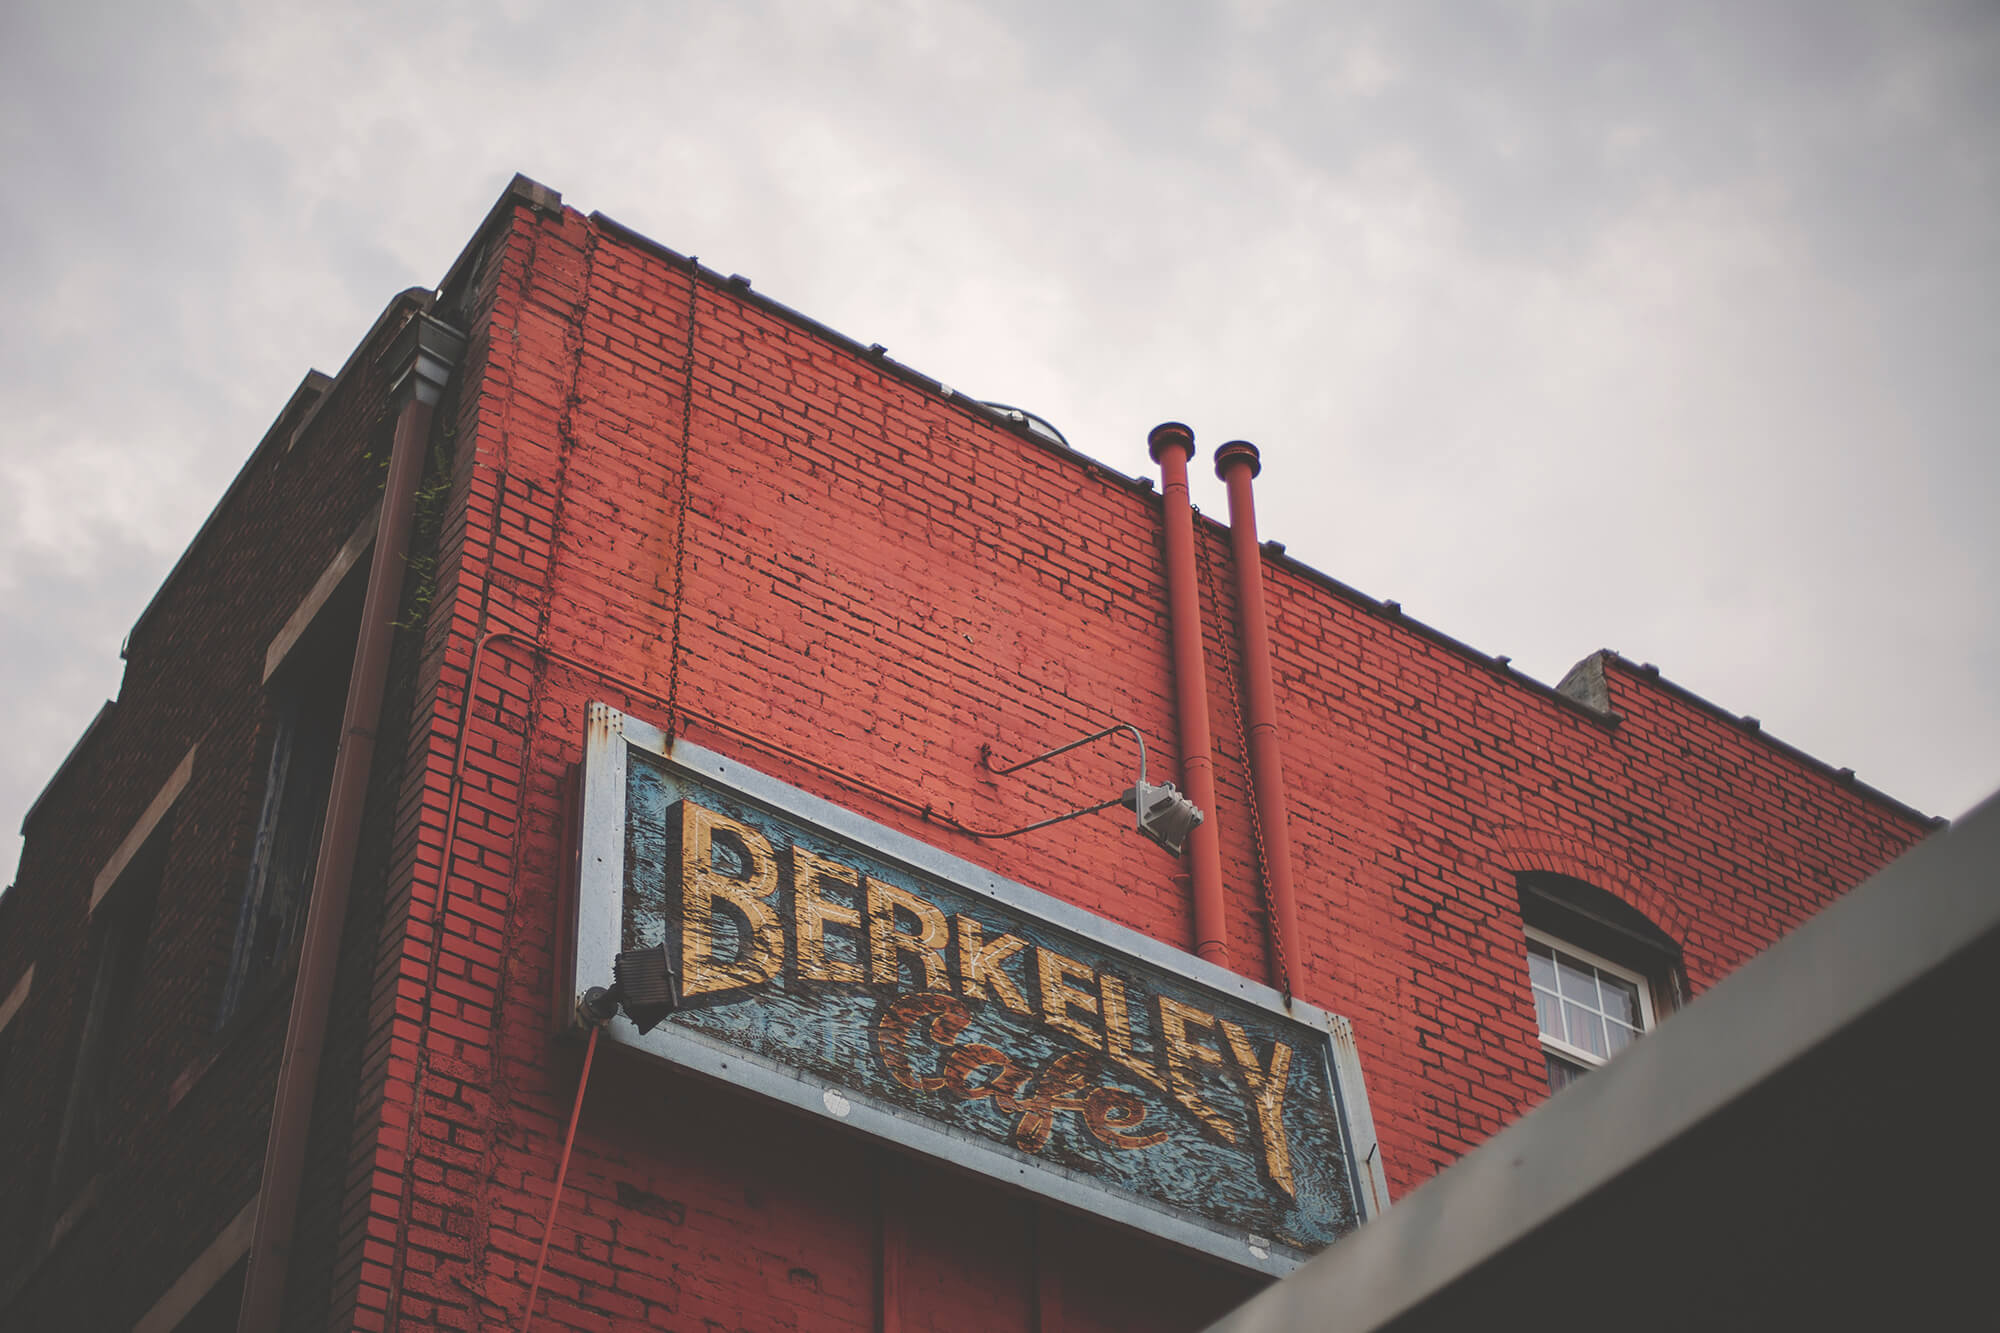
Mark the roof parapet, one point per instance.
(1585, 683)
(1648, 674)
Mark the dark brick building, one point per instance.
(636, 483)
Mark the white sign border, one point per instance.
(598, 928)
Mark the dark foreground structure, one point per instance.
(1808, 1146)
(612, 671)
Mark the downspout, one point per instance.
(1172, 445)
(423, 355)
(1236, 463)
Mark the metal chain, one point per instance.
(681, 508)
(1250, 780)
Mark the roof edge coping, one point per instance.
(1647, 674)
(315, 391)
(75, 753)
(1013, 420)
(875, 355)
(523, 189)
(1583, 691)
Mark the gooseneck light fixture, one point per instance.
(1163, 815)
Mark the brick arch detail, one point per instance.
(1564, 854)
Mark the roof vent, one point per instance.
(1036, 424)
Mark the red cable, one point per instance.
(562, 1170)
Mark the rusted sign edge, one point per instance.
(608, 736)
(1370, 1182)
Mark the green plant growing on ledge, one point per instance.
(425, 525)
(420, 564)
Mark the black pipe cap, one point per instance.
(1169, 433)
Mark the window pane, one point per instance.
(1586, 1030)
(1620, 1035)
(1621, 999)
(1541, 965)
(1561, 1072)
(1579, 980)
(1548, 1015)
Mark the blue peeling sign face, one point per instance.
(854, 972)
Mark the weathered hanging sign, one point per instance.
(861, 975)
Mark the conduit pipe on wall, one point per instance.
(1237, 463)
(423, 356)
(1172, 445)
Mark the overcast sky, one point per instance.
(1666, 328)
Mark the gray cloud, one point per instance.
(1568, 325)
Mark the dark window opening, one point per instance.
(15, 1211)
(309, 699)
(119, 931)
(217, 1312)
(19, 1204)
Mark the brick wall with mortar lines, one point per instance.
(1426, 782)
(344, 1166)
(404, 850)
(527, 524)
(377, 1205)
(881, 581)
(186, 1098)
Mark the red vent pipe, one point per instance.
(1236, 463)
(1171, 445)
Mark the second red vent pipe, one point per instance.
(1237, 463)
(1172, 445)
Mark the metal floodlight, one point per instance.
(643, 985)
(1164, 816)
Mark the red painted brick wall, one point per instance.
(875, 582)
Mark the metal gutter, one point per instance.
(424, 354)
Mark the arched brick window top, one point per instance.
(1595, 918)
(1601, 973)
(1558, 855)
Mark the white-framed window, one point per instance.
(1587, 1008)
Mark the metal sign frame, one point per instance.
(599, 935)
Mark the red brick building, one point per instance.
(626, 480)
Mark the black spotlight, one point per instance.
(643, 985)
